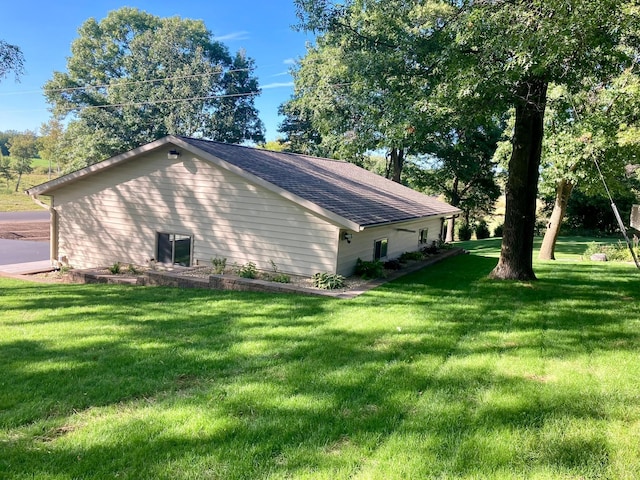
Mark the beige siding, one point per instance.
(115, 215)
(400, 241)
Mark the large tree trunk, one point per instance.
(396, 164)
(454, 201)
(451, 226)
(563, 192)
(18, 182)
(516, 254)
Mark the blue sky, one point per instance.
(44, 31)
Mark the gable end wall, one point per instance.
(115, 215)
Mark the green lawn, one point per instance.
(12, 201)
(442, 374)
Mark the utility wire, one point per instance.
(171, 100)
(130, 82)
(137, 82)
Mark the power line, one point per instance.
(171, 100)
(130, 82)
(152, 80)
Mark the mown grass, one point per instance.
(441, 374)
(12, 201)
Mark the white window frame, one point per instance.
(382, 241)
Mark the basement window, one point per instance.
(174, 249)
(380, 249)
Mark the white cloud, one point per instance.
(289, 61)
(282, 74)
(241, 35)
(277, 85)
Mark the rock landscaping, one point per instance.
(204, 277)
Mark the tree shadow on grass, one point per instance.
(186, 384)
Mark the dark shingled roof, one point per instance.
(337, 186)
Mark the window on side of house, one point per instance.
(380, 248)
(174, 249)
(423, 235)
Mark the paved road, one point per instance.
(21, 251)
(39, 216)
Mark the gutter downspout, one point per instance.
(53, 230)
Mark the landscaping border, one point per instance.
(178, 278)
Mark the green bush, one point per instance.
(618, 252)
(482, 230)
(408, 256)
(464, 232)
(328, 281)
(115, 268)
(248, 270)
(368, 270)
(497, 232)
(393, 264)
(219, 264)
(280, 278)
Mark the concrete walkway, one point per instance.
(27, 268)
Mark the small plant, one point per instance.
(411, 256)
(369, 270)
(277, 276)
(132, 269)
(328, 281)
(248, 270)
(219, 264)
(393, 264)
(482, 230)
(430, 250)
(464, 232)
(115, 268)
(497, 232)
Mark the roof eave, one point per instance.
(413, 219)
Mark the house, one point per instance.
(184, 201)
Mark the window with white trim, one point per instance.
(423, 234)
(380, 248)
(174, 249)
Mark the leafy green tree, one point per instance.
(133, 77)
(4, 139)
(11, 60)
(5, 169)
(350, 100)
(495, 55)
(274, 145)
(300, 136)
(50, 143)
(581, 129)
(461, 167)
(22, 147)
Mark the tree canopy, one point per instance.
(22, 147)
(491, 56)
(133, 77)
(11, 59)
